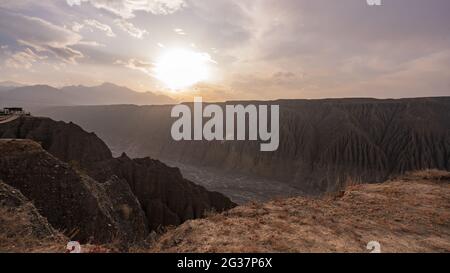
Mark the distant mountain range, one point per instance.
(8, 85)
(11, 84)
(35, 96)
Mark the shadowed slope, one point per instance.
(164, 195)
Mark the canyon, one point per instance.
(322, 191)
(324, 144)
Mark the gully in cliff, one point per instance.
(257, 117)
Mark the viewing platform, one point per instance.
(8, 114)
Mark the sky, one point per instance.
(231, 49)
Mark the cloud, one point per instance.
(91, 43)
(40, 35)
(282, 75)
(336, 29)
(100, 26)
(429, 74)
(340, 45)
(143, 66)
(209, 92)
(127, 8)
(179, 31)
(130, 28)
(77, 27)
(23, 59)
(222, 24)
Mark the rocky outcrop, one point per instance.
(71, 201)
(166, 197)
(109, 186)
(66, 141)
(129, 214)
(323, 143)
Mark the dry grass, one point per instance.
(21, 230)
(430, 174)
(24, 231)
(408, 214)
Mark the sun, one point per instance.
(182, 68)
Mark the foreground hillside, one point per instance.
(408, 214)
(91, 196)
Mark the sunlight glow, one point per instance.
(181, 68)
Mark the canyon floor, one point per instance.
(410, 213)
(240, 188)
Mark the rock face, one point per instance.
(67, 142)
(129, 215)
(323, 143)
(71, 201)
(166, 197)
(102, 196)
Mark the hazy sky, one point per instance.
(256, 49)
